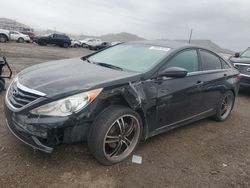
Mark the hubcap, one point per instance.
(121, 138)
(226, 106)
(2, 39)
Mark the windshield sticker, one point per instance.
(159, 48)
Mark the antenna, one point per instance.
(190, 36)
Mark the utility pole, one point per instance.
(190, 36)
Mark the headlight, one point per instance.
(68, 105)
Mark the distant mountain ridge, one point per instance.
(9, 24)
(208, 44)
(121, 37)
(111, 37)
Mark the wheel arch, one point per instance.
(7, 37)
(121, 100)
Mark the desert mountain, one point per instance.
(6, 23)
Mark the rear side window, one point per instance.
(209, 61)
(187, 59)
(224, 64)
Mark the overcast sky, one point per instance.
(226, 22)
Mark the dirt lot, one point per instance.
(204, 154)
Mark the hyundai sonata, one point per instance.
(115, 98)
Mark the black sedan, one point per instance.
(119, 96)
(242, 62)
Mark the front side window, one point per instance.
(131, 57)
(187, 60)
(209, 61)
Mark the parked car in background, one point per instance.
(90, 42)
(4, 35)
(242, 62)
(54, 39)
(119, 96)
(99, 46)
(75, 43)
(30, 34)
(19, 37)
(84, 42)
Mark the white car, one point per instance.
(90, 42)
(4, 35)
(19, 37)
(75, 43)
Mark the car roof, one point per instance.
(166, 43)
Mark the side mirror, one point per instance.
(237, 55)
(174, 72)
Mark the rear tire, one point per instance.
(2, 85)
(114, 135)
(65, 45)
(3, 38)
(20, 40)
(225, 106)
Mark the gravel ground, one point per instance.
(203, 154)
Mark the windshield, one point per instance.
(131, 57)
(246, 53)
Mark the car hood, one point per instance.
(72, 76)
(240, 60)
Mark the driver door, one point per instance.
(179, 98)
(14, 35)
(52, 39)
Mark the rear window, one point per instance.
(224, 64)
(209, 61)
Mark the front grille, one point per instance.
(243, 68)
(19, 97)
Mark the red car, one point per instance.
(31, 34)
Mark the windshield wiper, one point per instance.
(104, 65)
(108, 65)
(86, 59)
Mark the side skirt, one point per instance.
(180, 123)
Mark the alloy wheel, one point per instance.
(226, 106)
(2, 39)
(121, 138)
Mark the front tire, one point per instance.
(76, 46)
(114, 135)
(42, 43)
(225, 106)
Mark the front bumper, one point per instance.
(44, 133)
(30, 140)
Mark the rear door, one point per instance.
(214, 76)
(179, 98)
